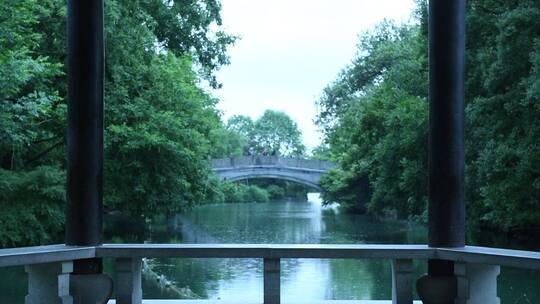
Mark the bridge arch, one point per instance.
(303, 171)
(275, 176)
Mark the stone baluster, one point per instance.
(48, 283)
(402, 281)
(272, 288)
(476, 283)
(128, 281)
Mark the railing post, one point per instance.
(272, 289)
(48, 283)
(402, 281)
(476, 283)
(128, 281)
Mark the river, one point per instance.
(277, 222)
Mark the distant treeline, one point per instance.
(374, 118)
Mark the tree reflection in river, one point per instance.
(277, 222)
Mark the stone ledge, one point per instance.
(260, 302)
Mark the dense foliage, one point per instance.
(274, 133)
(31, 132)
(160, 126)
(503, 113)
(374, 117)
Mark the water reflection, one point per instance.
(277, 222)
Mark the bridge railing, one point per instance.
(476, 268)
(262, 160)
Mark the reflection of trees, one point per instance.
(360, 229)
(266, 223)
(124, 229)
(354, 280)
(419, 269)
(366, 279)
(282, 223)
(488, 238)
(163, 285)
(13, 284)
(381, 273)
(290, 222)
(200, 276)
(514, 286)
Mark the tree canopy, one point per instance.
(160, 125)
(272, 133)
(374, 117)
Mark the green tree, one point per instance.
(322, 152)
(276, 133)
(375, 120)
(226, 143)
(159, 123)
(503, 154)
(272, 133)
(162, 141)
(241, 124)
(243, 127)
(31, 174)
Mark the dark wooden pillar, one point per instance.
(446, 123)
(446, 145)
(85, 128)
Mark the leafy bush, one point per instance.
(257, 194)
(275, 192)
(32, 206)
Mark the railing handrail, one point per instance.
(493, 256)
(280, 161)
(44, 254)
(318, 251)
(251, 167)
(469, 254)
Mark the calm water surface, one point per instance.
(276, 222)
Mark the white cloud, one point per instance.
(291, 49)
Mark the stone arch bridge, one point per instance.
(304, 171)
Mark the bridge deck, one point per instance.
(304, 171)
(278, 161)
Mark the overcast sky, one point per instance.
(290, 50)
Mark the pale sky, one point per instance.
(290, 50)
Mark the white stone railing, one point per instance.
(476, 268)
(279, 161)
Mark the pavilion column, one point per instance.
(85, 128)
(85, 147)
(446, 144)
(446, 123)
